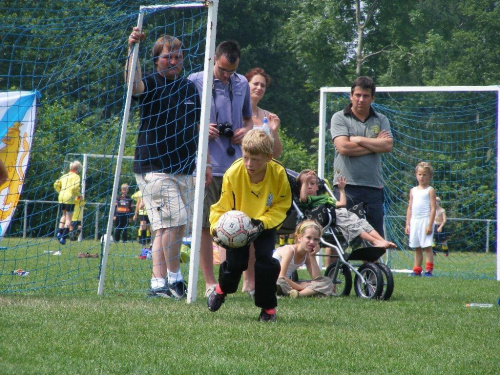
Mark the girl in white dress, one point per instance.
(420, 219)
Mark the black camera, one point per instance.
(225, 129)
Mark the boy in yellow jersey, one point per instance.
(257, 185)
(68, 187)
(141, 213)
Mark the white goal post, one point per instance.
(324, 127)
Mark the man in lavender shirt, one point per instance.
(230, 119)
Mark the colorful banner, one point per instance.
(17, 124)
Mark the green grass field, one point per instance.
(424, 328)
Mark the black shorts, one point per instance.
(67, 207)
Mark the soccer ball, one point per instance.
(232, 229)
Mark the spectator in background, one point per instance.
(361, 136)
(165, 157)
(259, 81)
(230, 120)
(68, 187)
(420, 219)
(123, 213)
(142, 214)
(439, 222)
(291, 257)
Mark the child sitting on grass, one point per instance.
(348, 222)
(291, 257)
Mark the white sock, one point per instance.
(174, 277)
(157, 282)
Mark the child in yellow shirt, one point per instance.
(258, 186)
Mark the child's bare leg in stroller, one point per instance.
(249, 274)
(377, 240)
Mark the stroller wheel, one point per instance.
(374, 281)
(341, 278)
(388, 281)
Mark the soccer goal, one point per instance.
(72, 59)
(456, 130)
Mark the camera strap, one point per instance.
(230, 87)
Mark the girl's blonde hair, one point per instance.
(300, 229)
(425, 165)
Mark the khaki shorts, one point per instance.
(212, 196)
(168, 199)
(322, 285)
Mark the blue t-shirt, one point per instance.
(168, 136)
(221, 112)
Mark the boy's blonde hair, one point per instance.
(300, 229)
(425, 165)
(125, 186)
(75, 166)
(257, 142)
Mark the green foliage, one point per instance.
(296, 156)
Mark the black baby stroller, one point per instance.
(372, 279)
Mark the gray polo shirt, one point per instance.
(221, 112)
(363, 170)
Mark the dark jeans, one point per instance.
(373, 199)
(121, 227)
(267, 269)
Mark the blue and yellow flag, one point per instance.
(17, 124)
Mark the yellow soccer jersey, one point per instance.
(268, 200)
(78, 212)
(137, 197)
(68, 187)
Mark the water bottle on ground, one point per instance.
(479, 305)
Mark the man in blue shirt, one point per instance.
(230, 119)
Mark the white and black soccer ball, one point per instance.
(232, 229)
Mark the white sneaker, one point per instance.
(56, 253)
(209, 290)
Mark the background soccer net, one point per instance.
(455, 129)
(74, 56)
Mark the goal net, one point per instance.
(456, 130)
(71, 57)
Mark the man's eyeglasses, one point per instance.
(230, 72)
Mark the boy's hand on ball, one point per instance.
(258, 227)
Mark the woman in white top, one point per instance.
(259, 81)
(291, 257)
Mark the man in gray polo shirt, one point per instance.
(230, 119)
(361, 136)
